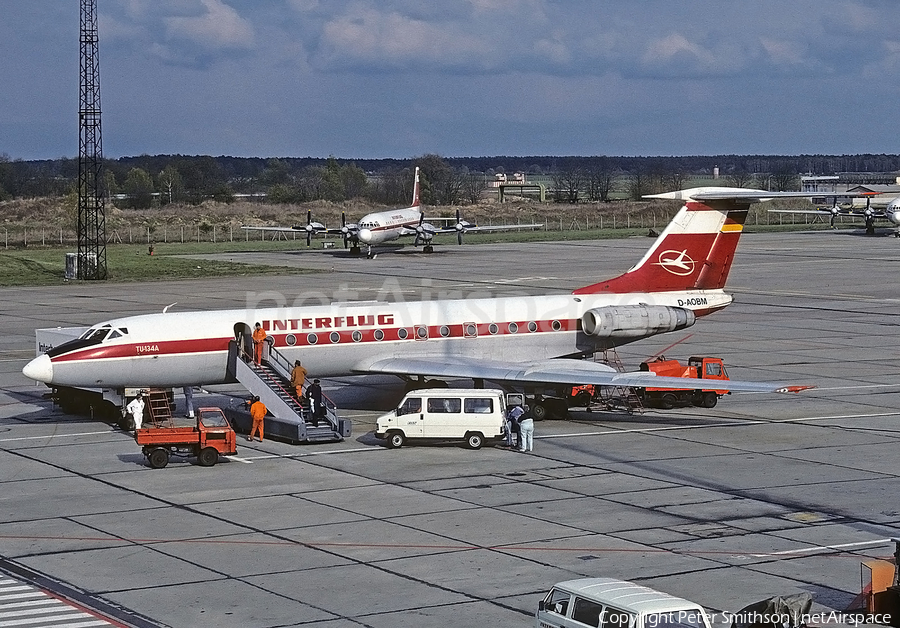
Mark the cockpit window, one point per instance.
(95, 335)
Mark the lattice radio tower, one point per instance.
(91, 215)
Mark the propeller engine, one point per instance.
(424, 232)
(347, 231)
(461, 227)
(311, 228)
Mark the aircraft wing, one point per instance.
(469, 228)
(280, 229)
(564, 371)
(486, 228)
(752, 196)
(877, 213)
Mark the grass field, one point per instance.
(46, 266)
(41, 266)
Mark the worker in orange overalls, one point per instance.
(257, 413)
(298, 376)
(259, 337)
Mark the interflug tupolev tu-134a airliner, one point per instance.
(521, 342)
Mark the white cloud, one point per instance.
(366, 37)
(219, 27)
(784, 53)
(677, 53)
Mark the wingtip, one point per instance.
(794, 389)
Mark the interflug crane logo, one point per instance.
(677, 262)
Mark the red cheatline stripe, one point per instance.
(322, 337)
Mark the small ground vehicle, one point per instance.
(473, 415)
(697, 368)
(615, 604)
(582, 396)
(210, 437)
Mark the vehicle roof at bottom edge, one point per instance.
(627, 595)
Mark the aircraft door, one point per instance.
(243, 334)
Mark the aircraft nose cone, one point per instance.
(365, 235)
(40, 369)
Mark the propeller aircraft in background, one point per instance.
(871, 212)
(385, 226)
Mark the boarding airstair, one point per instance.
(270, 381)
(618, 396)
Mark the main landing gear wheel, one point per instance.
(158, 458)
(208, 456)
(395, 440)
(428, 248)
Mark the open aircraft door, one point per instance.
(243, 333)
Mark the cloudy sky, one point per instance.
(400, 78)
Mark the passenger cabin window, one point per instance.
(587, 612)
(444, 405)
(478, 406)
(614, 618)
(689, 618)
(557, 602)
(410, 406)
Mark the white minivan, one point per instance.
(609, 603)
(471, 415)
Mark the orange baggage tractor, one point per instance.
(211, 437)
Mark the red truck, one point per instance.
(703, 395)
(211, 437)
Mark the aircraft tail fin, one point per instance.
(696, 249)
(415, 197)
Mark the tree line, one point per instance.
(148, 180)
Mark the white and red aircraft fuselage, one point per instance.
(521, 340)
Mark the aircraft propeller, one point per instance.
(835, 210)
(311, 228)
(345, 233)
(461, 227)
(420, 231)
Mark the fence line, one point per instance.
(56, 235)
